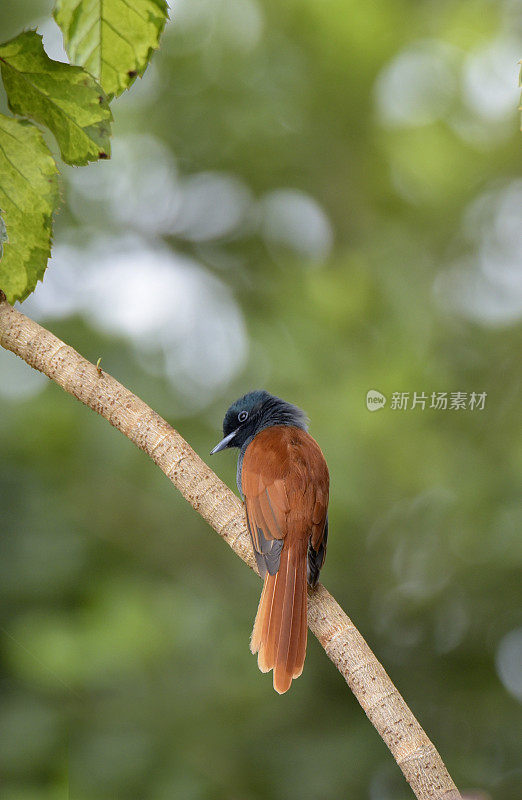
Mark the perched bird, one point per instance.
(283, 479)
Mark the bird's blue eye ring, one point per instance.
(242, 416)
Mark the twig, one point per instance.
(420, 762)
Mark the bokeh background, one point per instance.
(319, 199)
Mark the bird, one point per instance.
(283, 480)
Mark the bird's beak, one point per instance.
(223, 443)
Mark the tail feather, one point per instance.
(277, 612)
(299, 633)
(255, 640)
(280, 630)
(301, 652)
(260, 631)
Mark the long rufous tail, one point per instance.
(280, 629)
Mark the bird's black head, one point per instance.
(252, 413)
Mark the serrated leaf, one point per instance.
(64, 98)
(113, 39)
(28, 196)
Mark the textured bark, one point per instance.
(414, 753)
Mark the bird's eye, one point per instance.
(242, 416)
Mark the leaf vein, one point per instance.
(121, 36)
(25, 179)
(141, 16)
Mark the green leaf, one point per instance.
(64, 98)
(113, 39)
(28, 196)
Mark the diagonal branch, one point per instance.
(412, 750)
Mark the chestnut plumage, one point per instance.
(283, 478)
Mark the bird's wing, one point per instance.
(319, 534)
(285, 484)
(284, 481)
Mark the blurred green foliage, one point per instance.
(370, 154)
